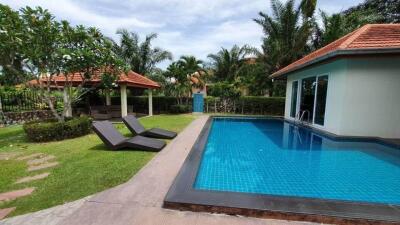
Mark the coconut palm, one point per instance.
(286, 31)
(141, 56)
(184, 74)
(227, 63)
(194, 70)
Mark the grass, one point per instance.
(86, 166)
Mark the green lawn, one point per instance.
(86, 166)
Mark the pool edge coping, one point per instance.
(182, 195)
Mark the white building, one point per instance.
(350, 87)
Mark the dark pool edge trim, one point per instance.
(183, 196)
(332, 136)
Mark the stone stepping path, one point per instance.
(32, 178)
(5, 212)
(40, 160)
(35, 162)
(32, 156)
(8, 196)
(42, 166)
(8, 155)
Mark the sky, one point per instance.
(184, 27)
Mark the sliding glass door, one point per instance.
(312, 102)
(307, 99)
(321, 100)
(293, 105)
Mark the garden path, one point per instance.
(35, 162)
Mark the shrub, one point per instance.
(51, 130)
(180, 109)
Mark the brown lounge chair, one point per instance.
(136, 128)
(115, 140)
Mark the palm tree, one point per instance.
(141, 57)
(191, 64)
(227, 63)
(332, 29)
(286, 31)
(186, 73)
(194, 70)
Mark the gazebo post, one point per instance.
(150, 102)
(67, 104)
(124, 101)
(108, 97)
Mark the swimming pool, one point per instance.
(267, 167)
(270, 156)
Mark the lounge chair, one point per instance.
(136, 128)
(115, 140)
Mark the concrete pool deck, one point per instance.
(139, 201)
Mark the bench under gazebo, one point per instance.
(124, 81)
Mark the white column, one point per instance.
(124, 101)
(67, 103)
(150, 102)
(108, 97)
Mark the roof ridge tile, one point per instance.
(354, 35)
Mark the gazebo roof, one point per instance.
(130, 79)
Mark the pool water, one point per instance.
(270, 156)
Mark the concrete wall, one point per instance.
(371, 106)
(363, 96)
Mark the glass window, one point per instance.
(321, 100)
(293, 105)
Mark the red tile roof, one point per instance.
(131, 79)
(377, 37)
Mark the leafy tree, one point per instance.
(177, 82)
(54, 48)
(254, 77)
(141, 57)
(11, 31)
(382, 11)
(183, 75)
(227, 63)
(224, 90)
(194, 70)
(338, 25)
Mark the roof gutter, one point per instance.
(338, 53)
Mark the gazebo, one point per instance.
(124, 81)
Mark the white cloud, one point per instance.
(185, 27)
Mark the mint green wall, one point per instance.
(363, 96)
(336, 72)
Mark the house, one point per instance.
(350, 87)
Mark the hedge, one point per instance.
(51, 130)
(243, 105)
(253, 105)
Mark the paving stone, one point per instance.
(32, 156)
(5, 212)
(41, 160)
(16, 194)
(42, 166)
(8, 155)
(32, 178)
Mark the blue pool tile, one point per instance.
(268, 156)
